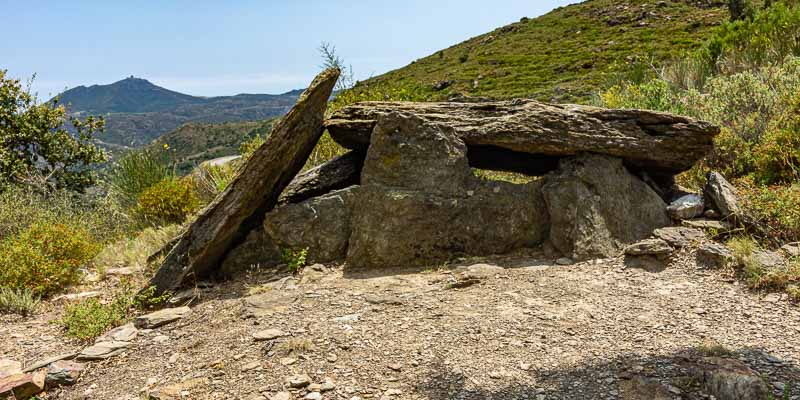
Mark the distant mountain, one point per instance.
(137, 111)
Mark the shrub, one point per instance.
(45, 257)
(18, 301)
(777, 208)
(90, 318)
(137, 171)
(169, 201)
(294, 259)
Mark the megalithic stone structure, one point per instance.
(254, 191)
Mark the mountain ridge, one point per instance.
(137, 111)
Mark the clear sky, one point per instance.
(211, 48)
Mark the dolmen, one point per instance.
(406, 194)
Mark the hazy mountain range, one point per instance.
(137, 111)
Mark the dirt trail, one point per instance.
(518, 329)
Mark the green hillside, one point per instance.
(565, 55)
(193, 143)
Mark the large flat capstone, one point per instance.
(661, 144)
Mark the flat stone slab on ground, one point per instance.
(102, 350)
(161, 317)
(268, 334)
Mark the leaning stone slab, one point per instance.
(661, 143)
(722, 195)
(254, 191)
(161, 317)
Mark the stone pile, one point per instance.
(406, 194)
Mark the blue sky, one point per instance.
(215, 48)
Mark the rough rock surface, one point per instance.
(253, 192)
(686, 207)
(651, 247)
(419, 202)
(63, 373)
(791, 250)
(678, 236)
(596, 207)
(338, 173)
(730, 379)
(713, 255)
(320, 224)
(161, 317)
(661, 143)
(722, 195)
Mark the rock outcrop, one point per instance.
(661, 144)
(596, 207)
(253, 193)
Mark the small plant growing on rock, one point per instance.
(294, 259)
(18, 301)
(146, 299)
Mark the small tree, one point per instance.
(332, 60)
(35, 146)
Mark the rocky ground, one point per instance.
(503, 328)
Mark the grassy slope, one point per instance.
(565, 55)
(194, 143)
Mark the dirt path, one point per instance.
(523, 329)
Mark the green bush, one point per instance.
(90, 318)
(169, 201)
(137, 171)
(777, 208)
(45, 257)
(18, 301)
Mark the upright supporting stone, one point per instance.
(254, 191)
